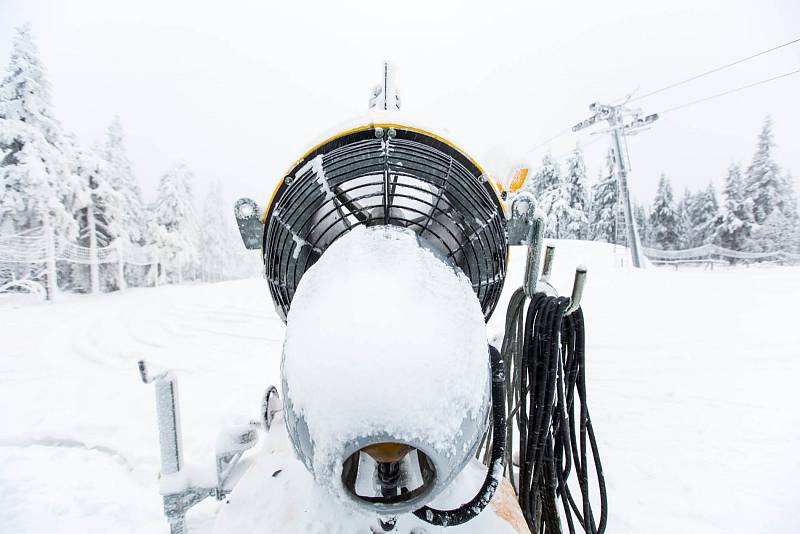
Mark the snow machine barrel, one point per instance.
(407, 228)
(385, 174)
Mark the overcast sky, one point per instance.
(238, 90)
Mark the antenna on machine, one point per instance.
(384, 95)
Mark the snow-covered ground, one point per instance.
(692, 378)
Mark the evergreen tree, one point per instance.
(705, 217)
(605, 202)
(215, 244)
(125, 183)
(642, 223)
(604, 210)
(776, 233)
(174, 225)
(764, 184)
(100, 218)
(37, 188)
(577, 226)
(737, 212)
(664, 217)
(684, 229)
(547, 178)
(792, 212)
(552, 197)
(134, 220)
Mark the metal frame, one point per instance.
(526, 227)
(176, 504)
(379, 175)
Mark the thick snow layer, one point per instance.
(692, 379)
(385, 337)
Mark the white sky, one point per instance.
(238, 89)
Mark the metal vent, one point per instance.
(385, 176)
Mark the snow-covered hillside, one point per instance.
(691, 382)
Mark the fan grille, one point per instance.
(380, 176)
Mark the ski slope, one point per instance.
(692, 377)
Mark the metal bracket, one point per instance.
(248, 220)
(526, 227)
(577, 286)
(231, 445)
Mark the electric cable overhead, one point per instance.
(712, 71)
(550, 139)
(729, 91)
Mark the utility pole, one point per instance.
(622, 121)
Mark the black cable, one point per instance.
(556, 433)
(729, 91)
(712, 71)
(550, 139)
(494, 474)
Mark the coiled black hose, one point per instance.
(545, 355)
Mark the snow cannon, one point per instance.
(385, 251)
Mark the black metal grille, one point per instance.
(386, 177)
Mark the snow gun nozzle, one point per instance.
(390, 477)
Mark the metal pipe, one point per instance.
(577, 290)
(547, 267)
(534, 258)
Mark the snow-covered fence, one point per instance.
(37, 248)
(711, 254)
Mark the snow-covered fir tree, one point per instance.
(705, 217)
(775, 233)
(664, 217)
(37, 188)
(38, 191)
(791, 210)
(552, 197)
(684, 229)
(737, 212)
(174, 225)
(642, 223)
(764, 184)
(577, 226)
(101, 221)
(547, 178)
(781, 229)
(214, 240)
(124, 181)
(604, 203)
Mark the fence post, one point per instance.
(154, 269)
(120, 265)
(94, 267)
(52, 284)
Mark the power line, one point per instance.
(563, 155)
(551, 139)
(712, 71)
(730, 91)
(687, 80)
